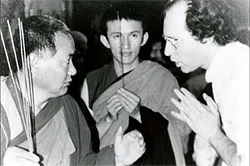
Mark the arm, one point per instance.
(13, 156)
(225, 148)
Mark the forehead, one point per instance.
(64, 42)
(125, 26)
(157, 45)
(175, 20)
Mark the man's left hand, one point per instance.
(129, 147)
(129, 100)
(203, 120)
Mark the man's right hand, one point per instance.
(113, 106)
(15, 156)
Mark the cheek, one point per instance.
(136, 45)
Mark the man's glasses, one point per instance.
(172, 41)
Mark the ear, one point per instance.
(104, 41)
(34, 58)
(145, 39)
(208, 40)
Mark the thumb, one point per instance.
(211, 104)
(119, 135)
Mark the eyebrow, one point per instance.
(166, 36)
(136, 31)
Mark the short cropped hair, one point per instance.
(122, 11)
(210, 18)
(39, 33)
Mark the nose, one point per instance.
(72, 69)
(125, 42)
(168, 49)
(158, 53)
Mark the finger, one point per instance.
(118, 136)
(130, 107)
(178, 104)
(113, 98)
(115, 108)
(188, 112)
(178, 116)
(135, 134)
(208, 99)
(181, 116)
(129, 94)
(128, 99)
(191, 100)
(211, 104)
(183, 99)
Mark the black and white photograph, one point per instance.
(124, 82)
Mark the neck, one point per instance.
(39, 100)
(211, 51)
(124, 68)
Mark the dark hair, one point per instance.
(210, 18)
(39, 33)
(123, 11)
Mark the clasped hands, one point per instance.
(204, 120)
(123, 99)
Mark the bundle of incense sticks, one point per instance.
(25, 94)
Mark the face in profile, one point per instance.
(181, 46)
(124, 38)
(54, 69)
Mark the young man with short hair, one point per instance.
(131, 92)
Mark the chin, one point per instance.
(185, 70)
(62, 91)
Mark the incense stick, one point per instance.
(29, 91)
(120, 30)
(27, 106)
(13, 45)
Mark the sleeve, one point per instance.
(167, 90)
(81, 136)
(105, 156)
(5, 133)
(242, 116)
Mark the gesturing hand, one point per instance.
(129, 100)
(113, 106)
(203, 120)
(128, 147)
(15, 156)
(123, 99)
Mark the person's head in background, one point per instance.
(81, 44)
(156, 52)
(50, 47)
(123, 31)
(195, 29)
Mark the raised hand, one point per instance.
(129, 100)
(114, 105)
(15, 156)
(203, 120)
(123, 99)
(129, 147)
